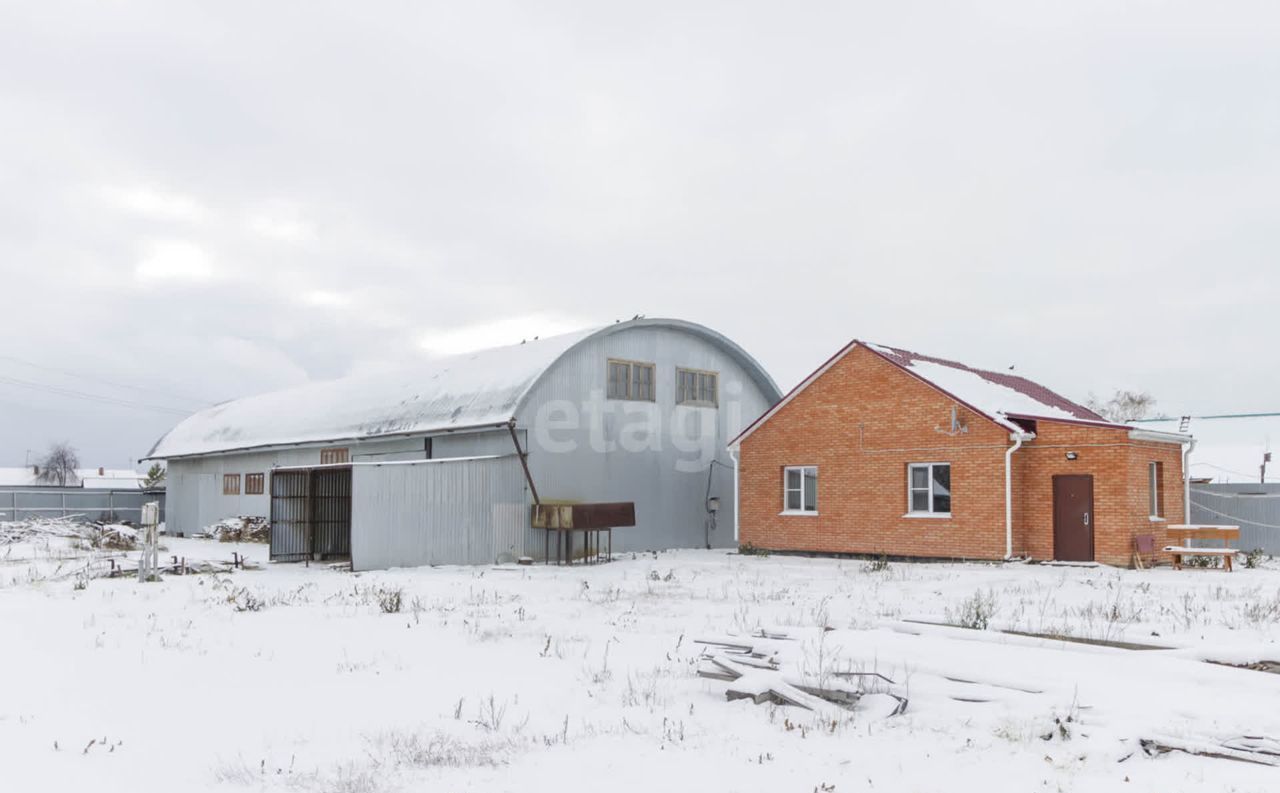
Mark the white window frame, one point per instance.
(786, 490)
(1153, 485)
(914, 513)
(698, 376)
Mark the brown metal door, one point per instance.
(1073, 518)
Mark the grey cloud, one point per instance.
(1085, 190)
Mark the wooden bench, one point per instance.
(1182, 534)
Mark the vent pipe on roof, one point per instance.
(1017, 438)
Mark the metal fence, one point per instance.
(76, 503)
(1255, 508)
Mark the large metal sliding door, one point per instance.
(331, 512)
(310, 514)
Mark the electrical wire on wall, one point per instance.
(712, 505)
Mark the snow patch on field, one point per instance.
(525, 678)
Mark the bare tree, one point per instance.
(59, 464)
(1123, 405)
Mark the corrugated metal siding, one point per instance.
(444, 512)
(1254, 507)
(668, 484)
(667, 493)
(194, 486)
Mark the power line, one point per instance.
(103, 381)
(74, 394)
(1226, 470)
(1233, 517)
(1217, 416)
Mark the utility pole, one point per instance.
(1266, 458)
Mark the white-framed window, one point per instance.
(630, 380)
(697, 387)
(800, 490)
(929, 489)
(1154, 475)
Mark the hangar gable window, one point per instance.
(231, 484)
(631, 380)
(334, 456)
(253, 484)
(696, 387)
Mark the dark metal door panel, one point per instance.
(289, 524)
(331, 512)
(1073, 518)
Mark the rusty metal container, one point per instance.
(608, 515)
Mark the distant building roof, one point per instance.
(88, 478)
(1228, 448)
(483, 388)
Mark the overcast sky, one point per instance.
(209, 201)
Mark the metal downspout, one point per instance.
(734, 454)
(524, 463)
(1186, 480)
(1018, 437)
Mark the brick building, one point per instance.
(882, 450)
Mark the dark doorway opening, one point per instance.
(310, 514)
(1073, 518)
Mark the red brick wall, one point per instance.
(861, 423)
(864, 420)
(1120, 489)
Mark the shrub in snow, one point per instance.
(439, 750)
(975, 612)
(879, 564)
(1253, 558)
(390, 600)
(242, 599)
(1201, 561)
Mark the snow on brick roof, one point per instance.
(998, 395)
(470, 390)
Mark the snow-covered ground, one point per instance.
(584, 678)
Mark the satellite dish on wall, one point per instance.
(958, 426)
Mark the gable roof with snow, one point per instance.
(485, 388)
(999, 396)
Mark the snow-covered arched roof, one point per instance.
(478, 389)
